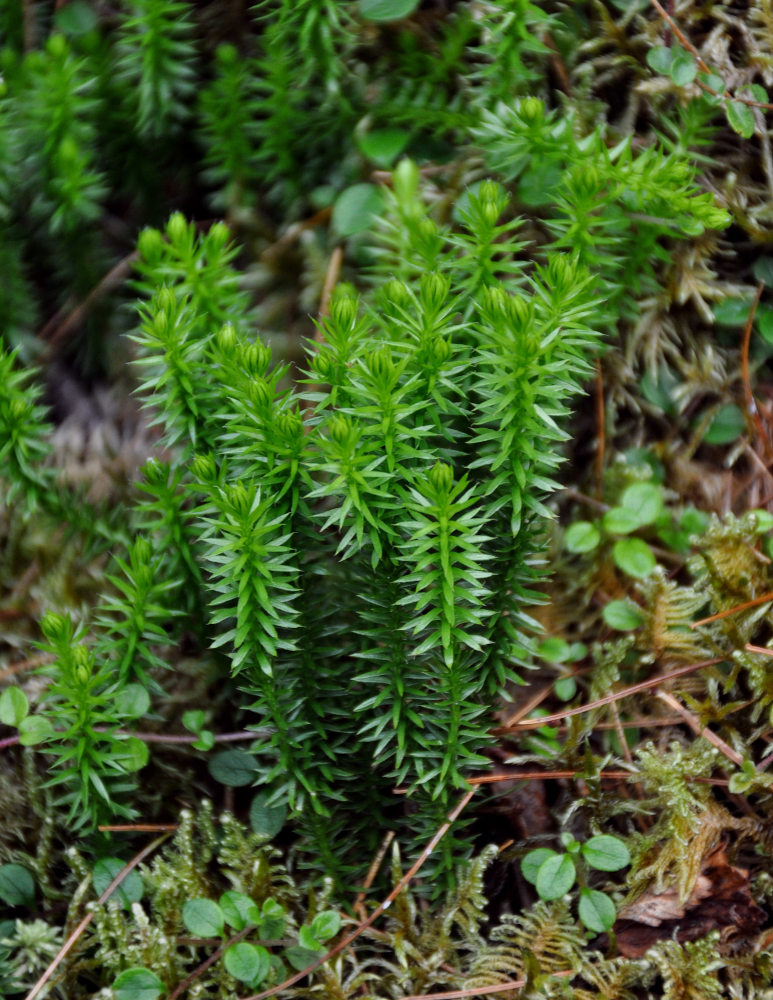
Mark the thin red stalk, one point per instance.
(608, 699)
(731, 611)
(475, 991)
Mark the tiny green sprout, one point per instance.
(553, 874)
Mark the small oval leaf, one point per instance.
(233, 768)
(383, 146)
(137, 984)
(683, 69)
(203, 917)
(266, 820)
(555, 877)
(128, 891)
(596, 910)
(582, 536)
(35, 729)
(14, 706)
(622, 615)
(620, 521)
(17, 886)
(740, 118)
(645, 500)
(300, 958)
(634, 557)
(660, 58)
(356, 208)
(326, 925)
(533, 861)
(554, 650)
(250, 963)
(132, 701)
(239, 910)
(727, 426)
(606, 853)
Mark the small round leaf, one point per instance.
(660, 58)
(605, 853)
(203, 917)
(193, 720)
(35, 729)
(307, 940)
(622, 615)
(326, 925)
(645, 500)
(763, 270)
(132, 701)
(555, 877)
(596, 910)
(300, 958)
(582, 536)
(554, 650)
(134, 754)
(764, 323)
(694, 521)
(250, 963)
(239, 910)
(266, 820)
(565, 688)
(763, 520)
(137, 984)
(383, 146)
(14, 706)
(272, 919)
(533, 861)
(233, 768)
(634, 556)
(17, 886)
(683, 69)
(128, 891)
(77, 18)
(356, 208)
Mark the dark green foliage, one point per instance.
(155, 64)
(99, 112)
(92, 761)
(414, 469)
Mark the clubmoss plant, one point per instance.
(403, 492)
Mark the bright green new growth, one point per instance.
(367, 545)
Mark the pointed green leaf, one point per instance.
(203, 917)
(17, 886)
(250, 963)
(555, 877)
(606, 853)
(128, 891)
(740, 118)
(596, 910)
(326, 925)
